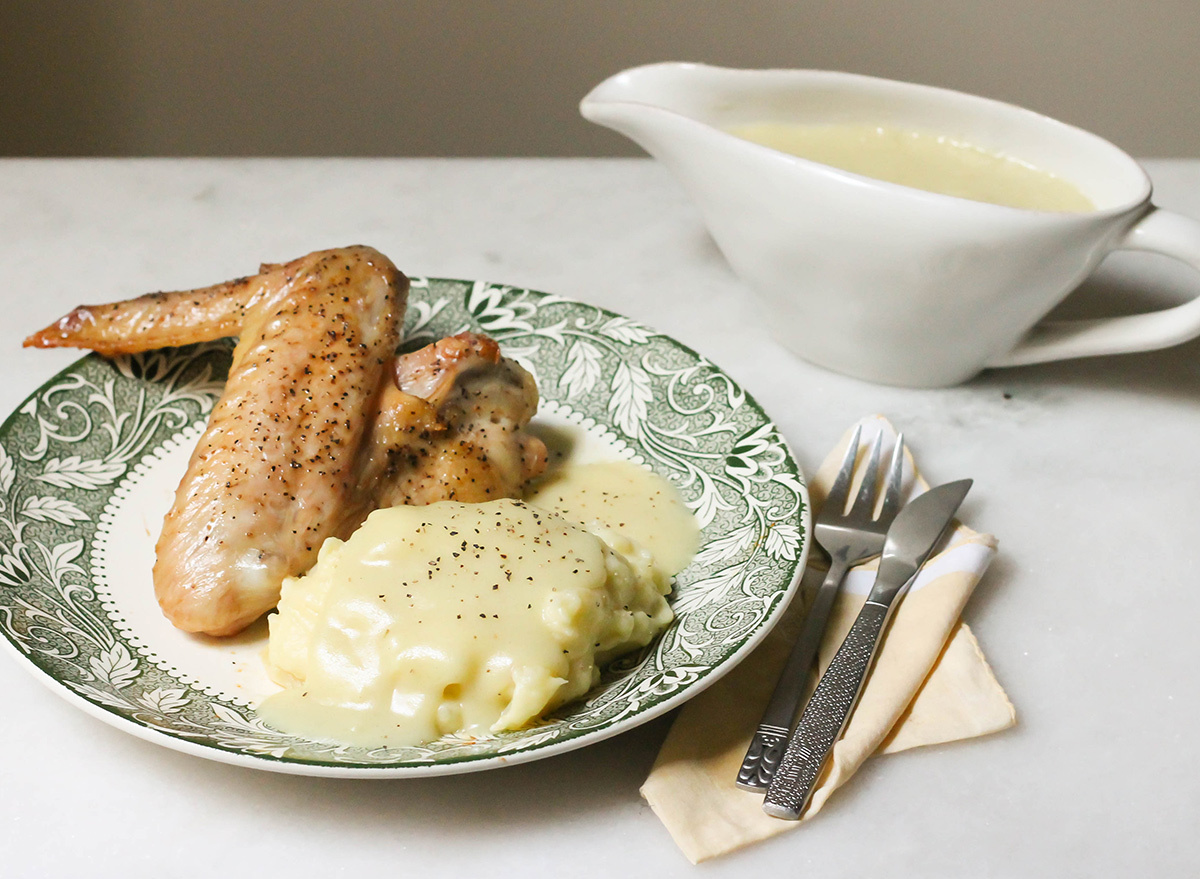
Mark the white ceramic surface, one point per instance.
(885, 282)
(1085, 470)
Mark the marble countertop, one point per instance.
(1085, 470)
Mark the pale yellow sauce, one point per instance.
(475, 618)
(627, 499)
(922, 160)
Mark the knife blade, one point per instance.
(910, 541)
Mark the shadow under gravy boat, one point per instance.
(879, 280)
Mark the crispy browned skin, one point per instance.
(453, 428)
(274, 473)
(318, 424)
(157, 320)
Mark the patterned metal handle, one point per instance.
(762, 759)
(826, 715)
(770, 739)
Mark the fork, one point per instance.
(849, 537)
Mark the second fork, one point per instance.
(849, 537)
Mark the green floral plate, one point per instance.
(89, 464)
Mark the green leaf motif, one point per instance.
(583, 370)
(115, 666)
(74, 472)
(52, 509)
(7, 471)
(631, 392)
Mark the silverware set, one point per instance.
(786, 763)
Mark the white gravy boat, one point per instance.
(885, 282)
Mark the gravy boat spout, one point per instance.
(883, 281)
(677, 112)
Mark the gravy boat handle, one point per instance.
(1158, 231)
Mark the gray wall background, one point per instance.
(504, 77)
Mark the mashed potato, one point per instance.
(456, 618)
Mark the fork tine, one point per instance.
(835, 501)
(891, 494)
(864, 504)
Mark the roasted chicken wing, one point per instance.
(319, 423)
(452, 427)
(159, 320)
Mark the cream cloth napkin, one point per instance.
(930, 684)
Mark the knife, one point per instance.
(910, 541)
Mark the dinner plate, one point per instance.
(89, 464)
